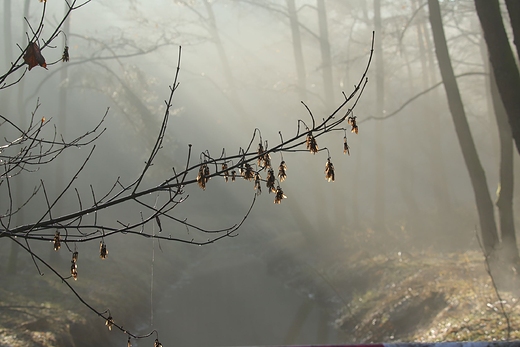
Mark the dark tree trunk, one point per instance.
(297, 49)
(502, 61)
(505, 189)
(477, 175)
(513, 8)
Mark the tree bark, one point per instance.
(488, 229)
(502, 62)
(513, 8)
(505, 189)
(297, 49)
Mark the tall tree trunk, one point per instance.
(5, 97)
(8, 44)
(477, 175)
(18, 196)
(297, 49)
(440, 183)
(505, 189)
(62, 115)
(380, 196)
(406, 170)
(502, 61)
(326, 57)
(513, 8)
(226, 66)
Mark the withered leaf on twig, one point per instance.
(33, 56)
(329, 171)
(353, 123)
(65, 56)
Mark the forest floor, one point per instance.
(418, 296)
(430, 297)
(40, 311)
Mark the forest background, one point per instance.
(404, 192)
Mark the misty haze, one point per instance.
(248, 172)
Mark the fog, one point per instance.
(403, 188)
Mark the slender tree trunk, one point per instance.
(62, 116)
(489, 111)
(5, 98)
(18, 196)
(513, 8)
(326, 57)
(440, 183)
(505, 189)
(406, 170)
(380, 196)
(8, 44)
(297, 49)
(226, 66)
(477, 175)
(502, 61)
(21, 84)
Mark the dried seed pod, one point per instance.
(65, 56)
(260, 153)
(103, 252)
(329, 171)
(247, 172)
(57, 242)
(74, 266)
(282, 174)
(312, 145)
(74, 270)
(203, 176)
(109, 322)
(258, 188)
(353, 124)
(346, 148)
(279, 195)
(270, 181)
(226, 172)
(264, 159)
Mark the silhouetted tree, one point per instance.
(505, 189)
(476, 171)
(502, 59)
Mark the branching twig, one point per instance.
(29, 150)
